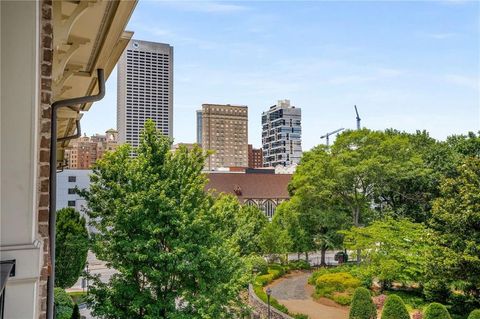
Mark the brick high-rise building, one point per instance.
(144, 89)
(225, 131)
(255, 157)
(83, 152)
(282, 134)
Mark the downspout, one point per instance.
(53, 176)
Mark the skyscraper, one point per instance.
(225, 131)
(199, 127)
(144, 89)
(281, 134)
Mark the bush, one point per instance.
(475, 314)
(463, 304)
(436, 290)
(343, 300)
(300, 316)
(437, 311)
(299, 264)
(362, 305)
(63, 304)
(329, 283)
(257, 264)
(395, 308)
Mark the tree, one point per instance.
(455, 257)
(436, 311)
(63, 304)
(75, 312)
(362, 306)
(393, 250)
(71, 247)
(395, 308)
(250, 223)
(274, 241)
(158, 228)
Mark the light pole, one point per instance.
(86, 271)
(269, 292)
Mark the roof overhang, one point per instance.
(87, 35)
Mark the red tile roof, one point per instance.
(250, 186)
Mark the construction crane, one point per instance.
(358, 118)
(327, 136)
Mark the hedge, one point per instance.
(395, 308)
(63, 304)
(474, 314)
(436, 311)
(362, 305)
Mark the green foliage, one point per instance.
(395, 308)
(250, 222)
(436, 290)
(63, 304)
(273, 240)
(342, 299)
(362, 305)
(413, 299)
(393, 250)
(78, 296)
(275, 271)
(71, 247)
(475, 314)
(257, 264)
(455, 258)
(300, 316)
(75, 312)
(163, 234)
(299, 264)
(327, 284)
(436, 311)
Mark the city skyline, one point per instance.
(406, 65)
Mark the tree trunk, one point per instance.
(356, 223)
(322, 259)
(306, 256)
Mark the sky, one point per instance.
(406, 65)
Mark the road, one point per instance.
(294, 292)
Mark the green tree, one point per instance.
(455, 258)
(75, 312)
(71, 247)
(63, 304)
(158, 228)
(274, 241)
(395, 308)
(362, 306)
(393, 250)
(436, 311)
(250, 223)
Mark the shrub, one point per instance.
(299, 264)
(300, 316)
(395, 308)
(63, 304)
(362, 305)
(475, 314)
(329, 283)
(463, 304)
(343, 300)
(436, 290)
(436, 311)
(257, 264)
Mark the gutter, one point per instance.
(53, 176)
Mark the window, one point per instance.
(71, 203)
(71, 191)
(72, 179)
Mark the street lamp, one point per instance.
(86, 271)
(269, 292)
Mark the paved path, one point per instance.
(294, 292)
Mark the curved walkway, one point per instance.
(294, 292)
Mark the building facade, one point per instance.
(255, 157)
(83, 152)
(282, 135)
(144, 89)
(50, 51)
(199, 127)
(264, 190)
(225, 132)
(67, 181)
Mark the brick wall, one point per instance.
(46, 56)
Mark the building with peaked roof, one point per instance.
(265, 191)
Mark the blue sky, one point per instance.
(407, 65)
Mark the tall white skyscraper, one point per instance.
(144, 89)
(282, 135)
